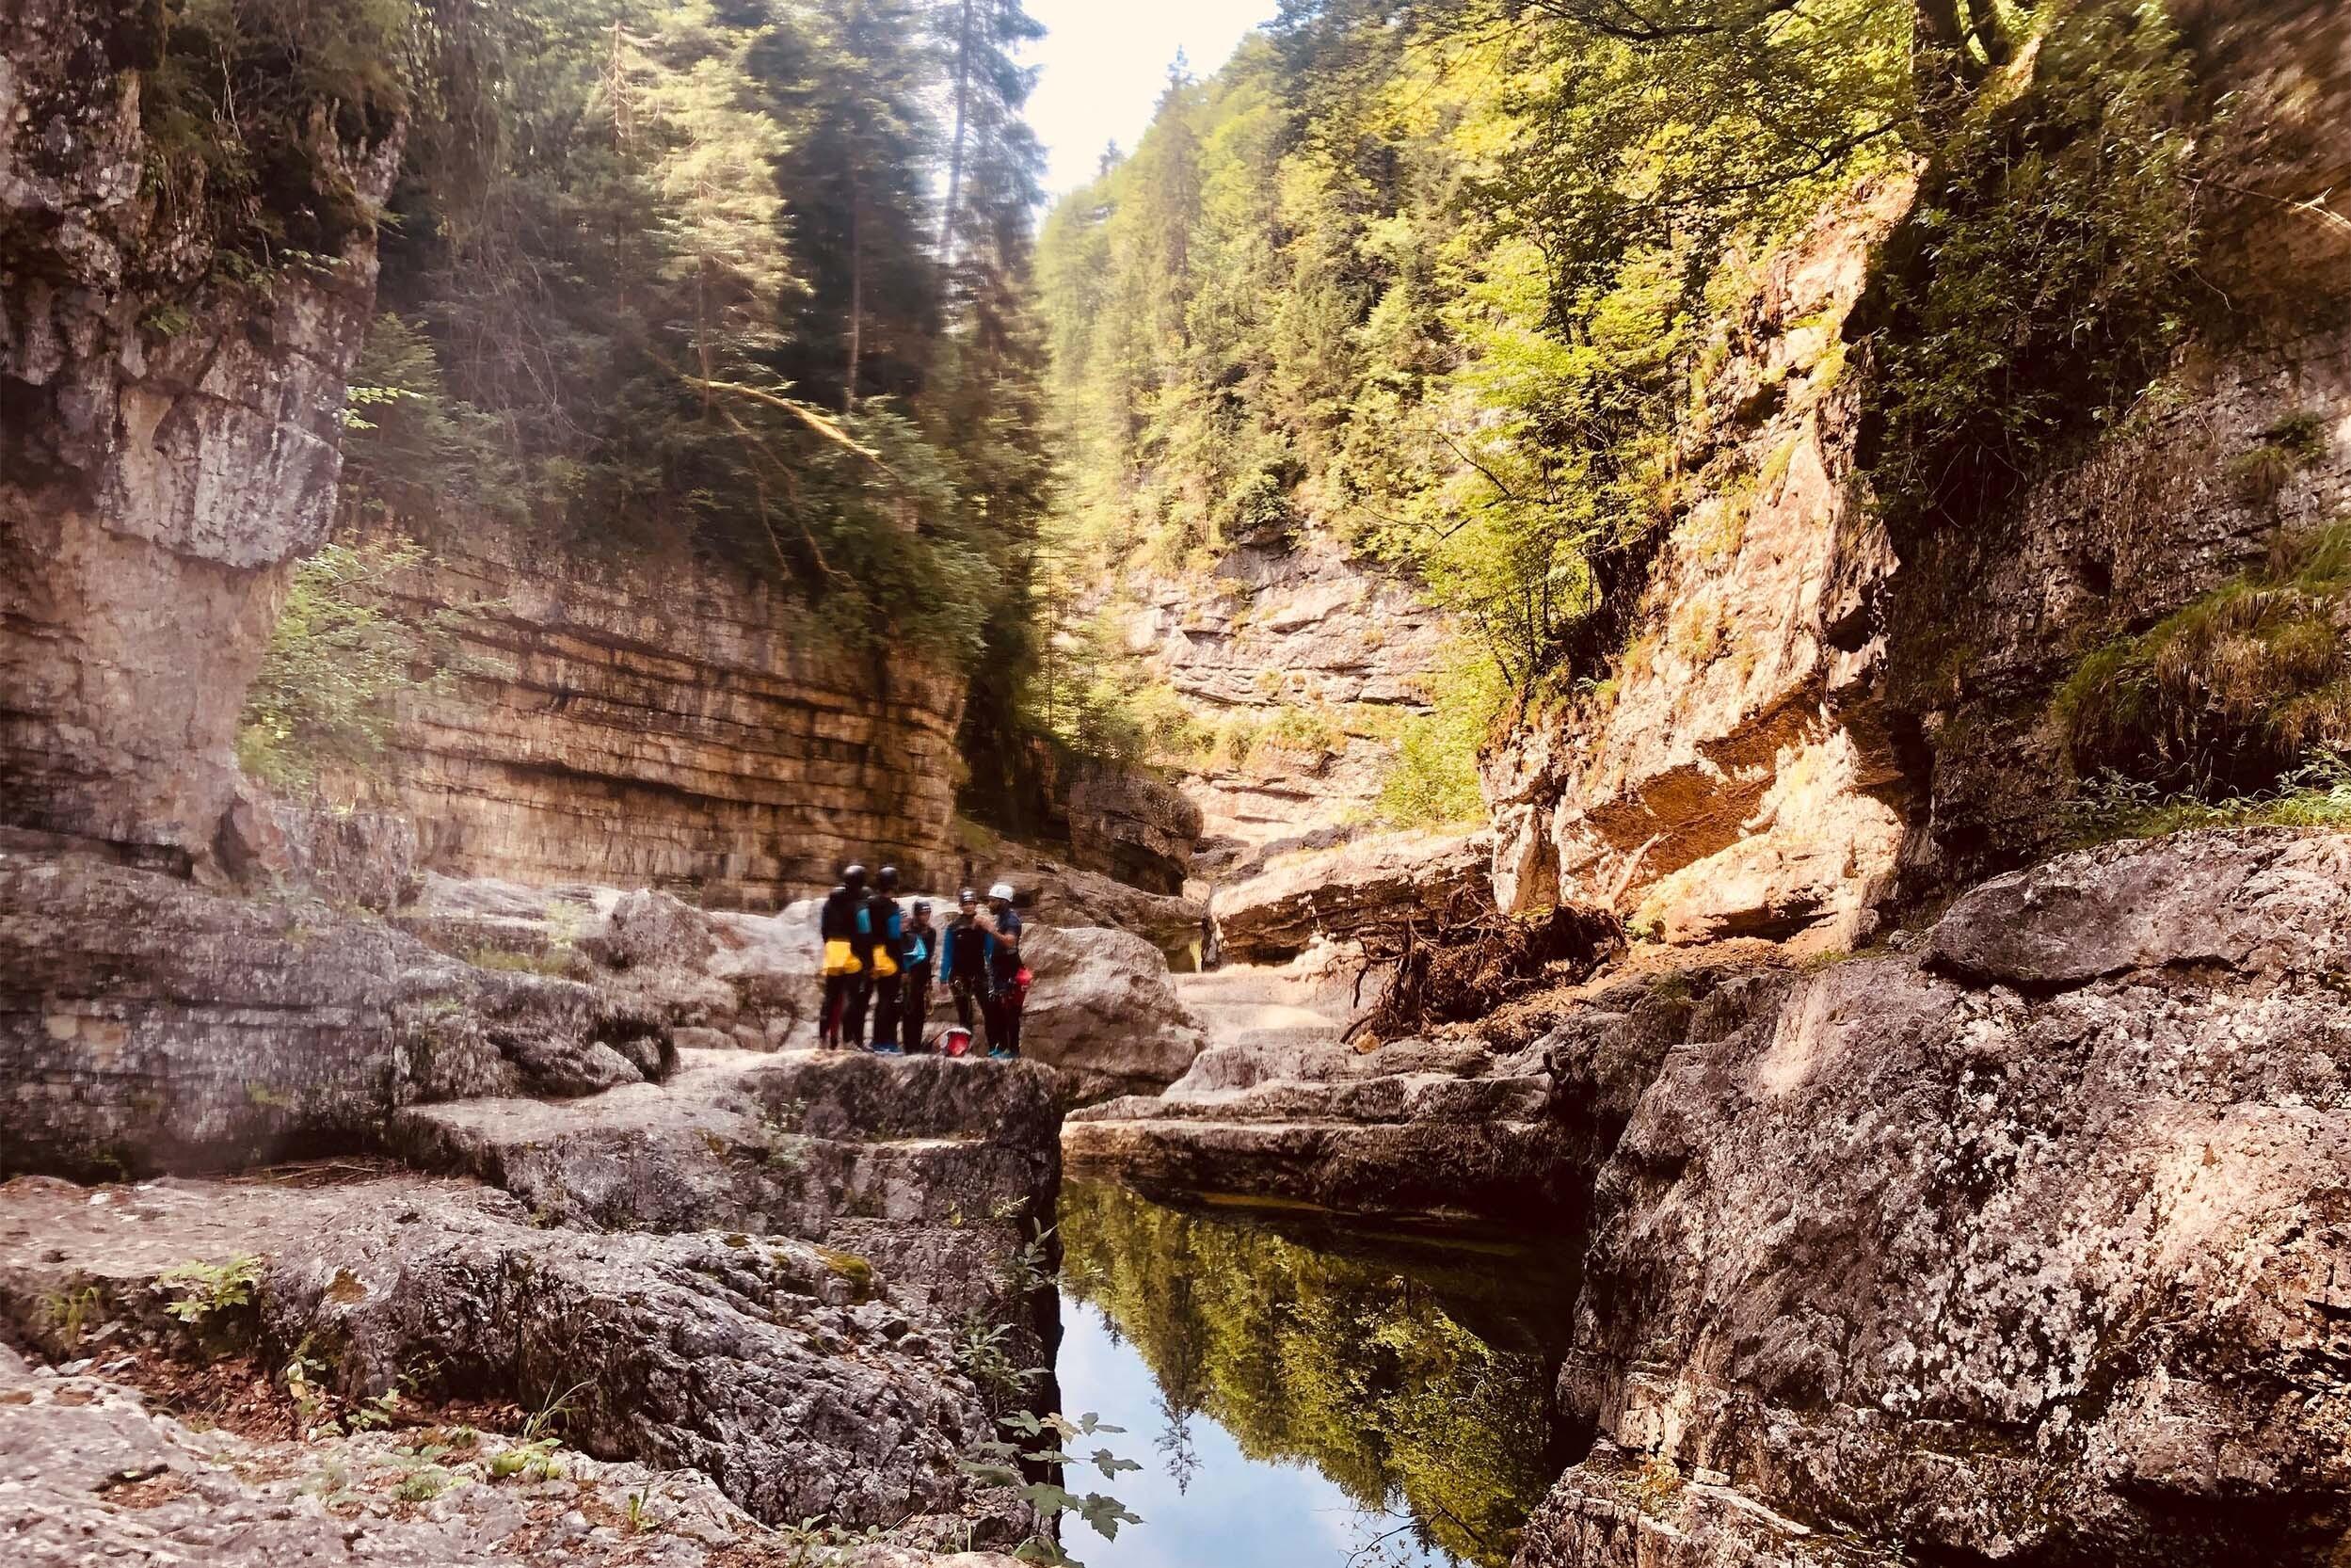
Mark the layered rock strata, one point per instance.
(932, 1170)
(1731, 779)
(673, 724)
(1343, 889)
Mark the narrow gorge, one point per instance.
(1663, 688)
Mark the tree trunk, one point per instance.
(954, 148)
(856, 299)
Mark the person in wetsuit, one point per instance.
(921, 935)
(888, 963)
(837, 922)
(1008, 992)
(963, 962)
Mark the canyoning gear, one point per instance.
(915, 1005)
(956, 1041)
(854, 875)
(887, 878)
(967, 898)
(1001, 891)
(837, 924)
(886, 956)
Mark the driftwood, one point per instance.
(1468, 958)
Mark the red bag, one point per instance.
(956, 1041)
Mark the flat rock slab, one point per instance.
(89, 1474)
(783, 1371)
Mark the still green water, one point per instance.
(1302, 1393)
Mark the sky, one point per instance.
(1238, 1511)
(1105, 63)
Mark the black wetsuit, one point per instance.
(836, 920)
(964, 965)
(916, 1010)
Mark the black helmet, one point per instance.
(887, 877)
(922, 907)
(967, 896)
(840, 888)
(854, 876)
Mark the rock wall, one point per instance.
(668, 724)
(1813, 717)
(2025, 1245)
(1730, 779)
(167, 443)
(1288, 624)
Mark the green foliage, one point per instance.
(675, 279)
(2231, 690)
(346, 650)
(1428, 280)
(1045, 1441)
(1433, 777)
(2046, 274)
(2111, 807)
(983, 1353)
(249, 106)
(204, 1294)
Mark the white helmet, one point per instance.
(1003, 890)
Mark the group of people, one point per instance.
(882, 962)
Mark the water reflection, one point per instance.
(1305, 1395)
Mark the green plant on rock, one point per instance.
(2045, 276)
(2229, 693)
(67, 1315)
(346, 651)
(1045, 1442)
(2259, 474)
(204, 1293)
(983, 1352)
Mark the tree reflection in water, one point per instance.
(1415, 1376)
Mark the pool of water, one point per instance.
(1302, 1394)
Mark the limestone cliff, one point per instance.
(669, 723)
(167, 439)
(1814, 717)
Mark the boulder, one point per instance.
(1276, 909)
(1134, 828)
(241, 1499)
(786, 1372)
(146, 1024)
(2023, 1247)
(1102, 1010)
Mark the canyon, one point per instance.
(437, 1166)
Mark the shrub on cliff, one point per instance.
(2045, 276)
(2230, 691)
(346, 650)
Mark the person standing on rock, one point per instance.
(1008, 980)
(837, 924)
(888, 965)
(915, 991)
(963, 963)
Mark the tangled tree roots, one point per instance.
(1469, 958)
